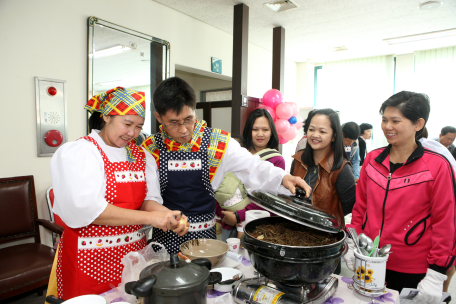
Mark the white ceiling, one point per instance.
(317, 26)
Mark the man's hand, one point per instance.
(229, 218)
(290, 182)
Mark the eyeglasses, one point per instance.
(175, 125)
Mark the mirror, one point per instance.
(118, 56)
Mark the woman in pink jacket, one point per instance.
(407, 193)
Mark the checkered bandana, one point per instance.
(118, 101)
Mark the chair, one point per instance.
(27, 266)
(54, 217)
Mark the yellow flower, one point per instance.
(358, 277)
(370, 272)
(363, 271)
(368, 278)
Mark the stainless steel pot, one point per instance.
(174, 282)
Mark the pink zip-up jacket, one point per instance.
(414, 207)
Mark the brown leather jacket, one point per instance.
(324, 194)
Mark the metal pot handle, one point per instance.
(54, 300)
(141, 288)
(214, 278)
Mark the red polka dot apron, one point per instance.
(89, 258)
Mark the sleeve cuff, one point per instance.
(439, 269)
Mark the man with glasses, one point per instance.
(192, 160)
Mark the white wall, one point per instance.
(405, 70)
(305, 84)
(48, 38)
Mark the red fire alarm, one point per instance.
(52, 91)
(53, 138)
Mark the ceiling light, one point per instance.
(117, 49)
(109, 82)
(339, 48)
(425, 36)
(281, 6)
(430, 5)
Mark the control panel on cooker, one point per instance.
(51, 119)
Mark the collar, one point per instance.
(193, 145)
(327, 161)
(383, 158)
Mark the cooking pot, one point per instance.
(293, 265)
(174, 282)
(86, 299)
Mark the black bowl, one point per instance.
(292, 265)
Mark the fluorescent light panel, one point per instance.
(117, 49)
(425, 36)
(280, 6)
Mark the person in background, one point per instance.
(406, 194)
(439, 148)
(446, 138)
(366, 134)
(104, 193)
(325, 167)
(192, 160)
(350, 131)
(259, 138)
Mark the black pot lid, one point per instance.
(296, 209)
(176, 277)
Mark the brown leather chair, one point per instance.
(27, 266)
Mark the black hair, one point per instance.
(423, 134)
(351, 130)
(447, 129)
(96, 121)
(412, 106)
(364, 126)
(337, 145)
(247, 142)
(173, 94)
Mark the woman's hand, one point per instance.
(165, 220)
(290, 182)
(183, 226)
(229, 218)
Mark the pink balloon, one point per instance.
(272, 98)
(282, 140)
(269, 109)
(298, 124)
(284, 111)
(282, 126)
(295, 108)
(290, 134)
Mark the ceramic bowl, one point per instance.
(213, 250)
(227, 274)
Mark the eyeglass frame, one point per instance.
(179, 124)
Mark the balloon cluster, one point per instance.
(285, 115)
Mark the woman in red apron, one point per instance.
(104, 194)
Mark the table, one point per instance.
(345, 292)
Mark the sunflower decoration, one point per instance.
(358, 277)
(360, 270)
(367, 278)
(369, 272)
